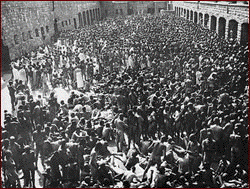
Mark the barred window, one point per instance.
(37, 32)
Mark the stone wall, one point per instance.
(107, 9)
(75, 14)
(160, 5)
(235, 16)
(121, 7)
(26, 25)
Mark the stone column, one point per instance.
(209, 22)
(226, 29)
(198, 17)
(239, 31)
(217, 25)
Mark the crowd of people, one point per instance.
(155, 101)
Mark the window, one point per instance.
(47, 29)
(29, 35)
(121, 11)
(43, 32)
(75, 23)
(116, 11)
(37, 32)
(62, 24)
(66, 22)
(69, 21)
(24, 37)
(16, 39)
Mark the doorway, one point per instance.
(5, 58)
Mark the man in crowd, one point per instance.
(160, 100)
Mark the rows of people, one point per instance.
(166, 91)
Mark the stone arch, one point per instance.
(244, 34)
(232, 29)
(222, 27)
(213, 23)
(188, 14)
(185, 13)
(192, 15)
(206, 20)
(179, 11)
(195, 17)
(201, 18)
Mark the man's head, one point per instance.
(126, 184)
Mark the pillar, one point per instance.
(239, 31)
(226, 28)
(217, 25)
(198, 18)
(209, 22)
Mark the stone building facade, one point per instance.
(76, 14)
(26, 25)
(228, 20)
